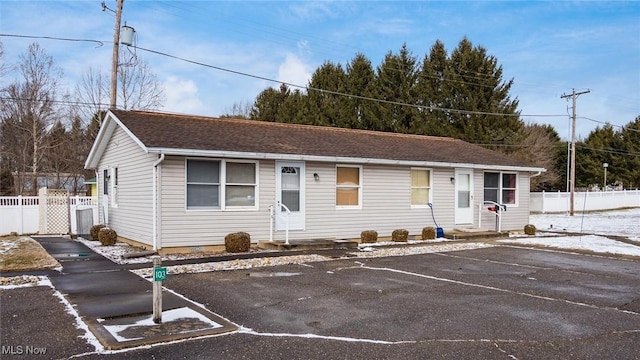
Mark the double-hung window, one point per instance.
(203, 184)
(210, 181)
(420, 187)
(501, 187)
(240, 185)
(348, 186)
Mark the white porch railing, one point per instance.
(273, 213)
(20, 214)
(494, 208)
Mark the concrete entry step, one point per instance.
(308, 244)
(474, 234)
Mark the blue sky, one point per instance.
(548, 48)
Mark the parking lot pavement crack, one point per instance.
(510, 356)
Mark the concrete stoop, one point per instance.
(475, 234)
(308, 244)
(335, 244)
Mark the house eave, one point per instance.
(109, 125)
(333, 159)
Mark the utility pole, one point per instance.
(572, 181)
(114, 60)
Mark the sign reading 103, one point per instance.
(160, 274)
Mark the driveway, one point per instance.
(490, 303)
(500, 302)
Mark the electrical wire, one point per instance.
(353, 96)
(100, 43)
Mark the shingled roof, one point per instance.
(180, 134)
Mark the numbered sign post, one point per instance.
(159, 275)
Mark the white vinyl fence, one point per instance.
(558, 202)
(21, 214)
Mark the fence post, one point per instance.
(20, 216)
(542, 202)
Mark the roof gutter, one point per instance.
(155, 196)
(333, 159)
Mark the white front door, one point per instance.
(464, 196)
(290, 193)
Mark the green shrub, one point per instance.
(428, 233)
(400, 235)
(107, 236)
(95, 230)
(530, 229)
(237, 242)
(368, 236)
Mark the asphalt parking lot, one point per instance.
(490, 303)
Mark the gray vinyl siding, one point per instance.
(132, 218)
(516, 216)
(386, 206)
(182, 227)
(386, 203)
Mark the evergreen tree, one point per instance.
(360, 82)
(603, 145)
(630, 171)
(269, 103)
(476, 86)
(434, 92)
(396, 80)
(327, 108)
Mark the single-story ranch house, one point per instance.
(179, 182)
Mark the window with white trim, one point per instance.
(114, 186)
(420, 187)
(240, 185)
(348, 186)
(501, 187)
(209, 181)
(105, 181)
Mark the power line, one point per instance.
(611, 151)
(100, 43)
(63, 102)
(608, 123)
(353, 96)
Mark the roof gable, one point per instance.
(184, 134)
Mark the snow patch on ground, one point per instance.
(168, 316)
(593, 243)
(617, 223)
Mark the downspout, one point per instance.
(154, 229)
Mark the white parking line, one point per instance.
(464, 283)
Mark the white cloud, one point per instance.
(294, 71)
(182, 96)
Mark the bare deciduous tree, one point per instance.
(138, 87)
(28, 111)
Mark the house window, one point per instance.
(290, 184)
(420, 187)
(114, 186)
(500, 187)
(348, 186)
(105, 182)
(203, 184)
(210, 181)
(240, 186)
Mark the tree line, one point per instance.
(46, 134)
(461, 94)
